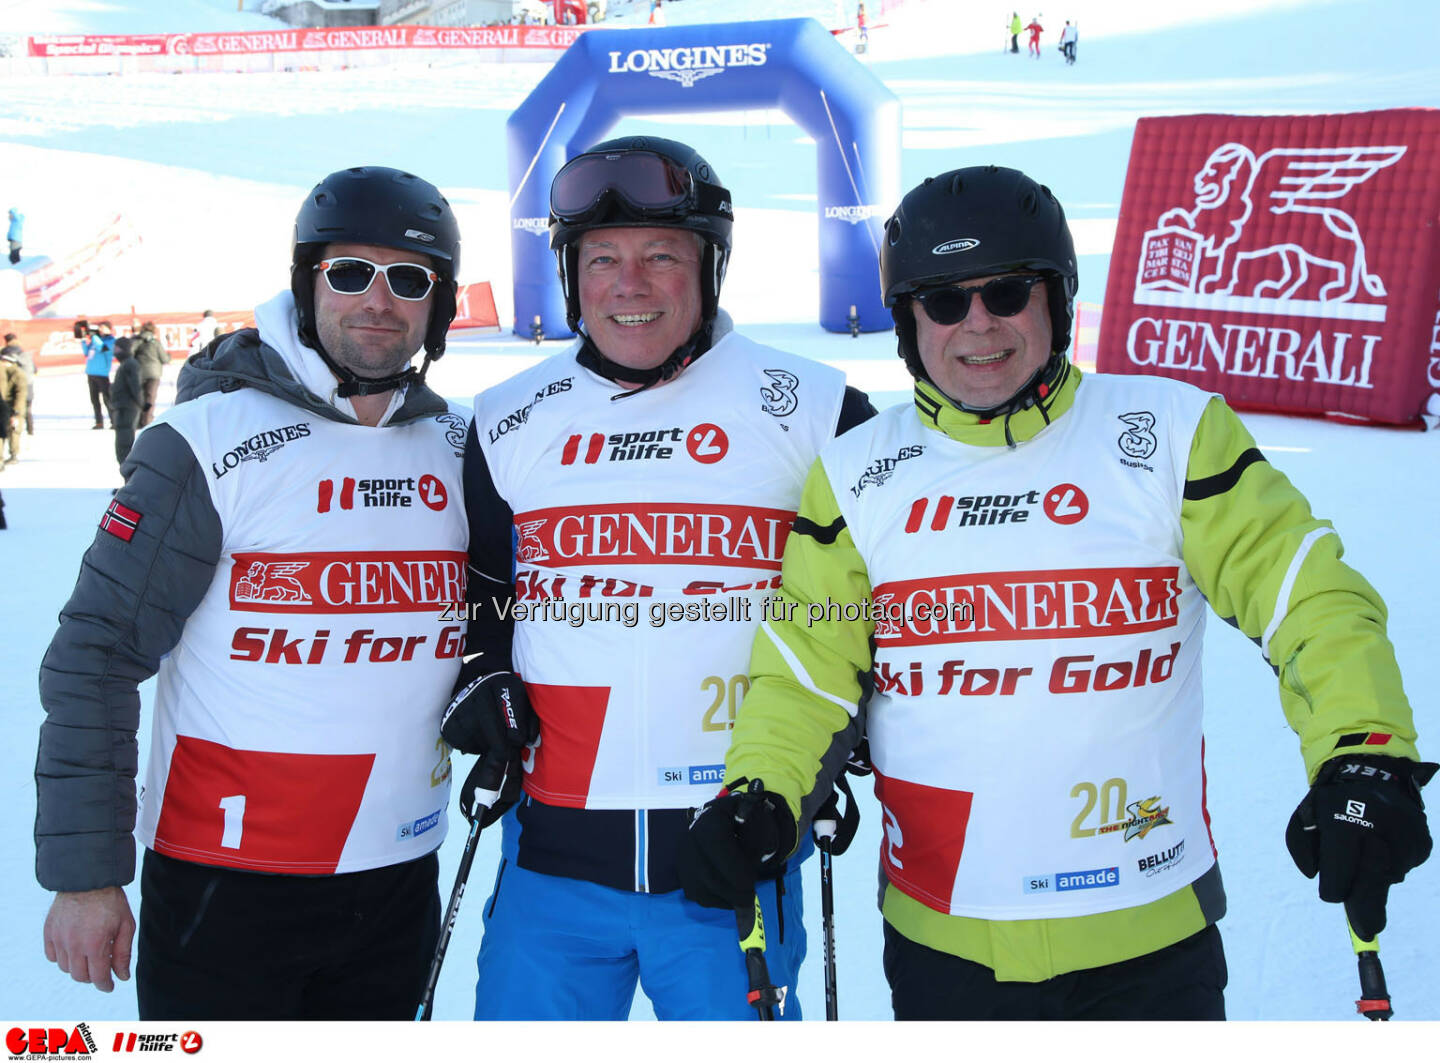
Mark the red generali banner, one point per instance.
(350, 38)
(1291, 264)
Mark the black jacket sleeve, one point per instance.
(855, 408)
(490, 586)
(128, 609)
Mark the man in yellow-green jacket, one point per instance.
(1022, 559)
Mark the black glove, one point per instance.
(743, 835)
(490, 715)
(487, 775)
(1362, 827)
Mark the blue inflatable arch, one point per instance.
(791, 64)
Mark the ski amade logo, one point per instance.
(50, 1042)
(688, 65)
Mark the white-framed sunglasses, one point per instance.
(353, 276)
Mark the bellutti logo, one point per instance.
(1208, 256)
(533, 226)
(686, 66)
(52, 1042)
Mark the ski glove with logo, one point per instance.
(1361, 828)
(490, 715)
(742, 836)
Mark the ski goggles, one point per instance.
(1003, 297)
(353, 276)
(649, 185)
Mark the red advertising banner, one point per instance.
(351, 38)
(475, 307)
(1290, 263)
(52, 340)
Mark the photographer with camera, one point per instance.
(98, 343)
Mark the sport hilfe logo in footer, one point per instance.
(189, 1042)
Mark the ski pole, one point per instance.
(824, 832)
(750, 924)
(763, 996)
(1374, 1002)
(483, 799)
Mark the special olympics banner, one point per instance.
(352, 38)
(1289, 263)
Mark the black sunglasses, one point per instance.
(353, 276)
(1003, 297)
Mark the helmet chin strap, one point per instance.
(1036, 388)
(593, 359)
(352, 384)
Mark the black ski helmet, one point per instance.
(387, 208)
(975, 222)
(704, 208)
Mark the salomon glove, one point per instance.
(741, 836)
(1361, 828)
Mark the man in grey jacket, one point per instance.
(152, 357)
(296, 788)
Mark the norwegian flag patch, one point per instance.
(120, 521)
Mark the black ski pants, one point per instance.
(99, 389)
(1185, 980)
(216, 943)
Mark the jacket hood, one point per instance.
(271, 357)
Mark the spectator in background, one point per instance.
(657, 14)
(99, 347)
(13, 349)
(205, 331)
(1015, 26)
(15, 234)
(1067, 42)
(12, 398)
(152, 357)
(1035, 30)
(862, 27)
(127, 395)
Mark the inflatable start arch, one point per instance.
(791, 64)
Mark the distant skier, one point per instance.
(205, 331)
(15, 234)
(1067, 42)
(1035, 30)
